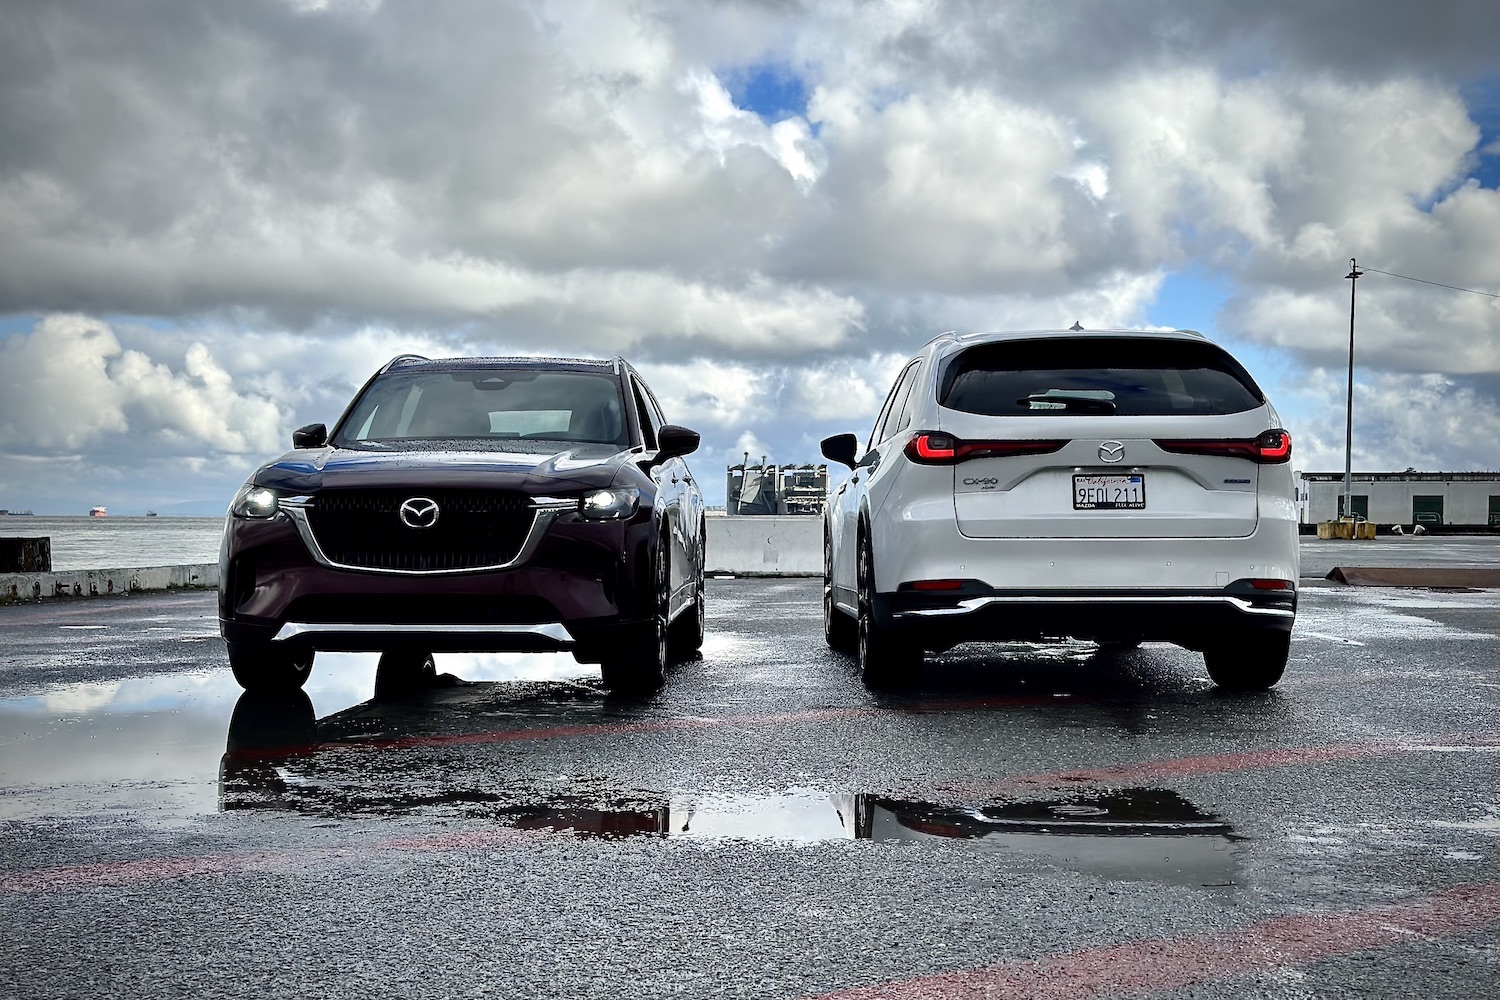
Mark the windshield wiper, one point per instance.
(1071, 400)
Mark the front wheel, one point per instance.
(886, 659)
(839, 630)
(688, 630)
(1253, 662)
(638, 664)
(269, 666)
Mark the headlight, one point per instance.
(610, 505)
(254, 501)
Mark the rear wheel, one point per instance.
(886, 659)
(269, 666)
(401, 672)
(839, 630)
(1252, 662)
(638, 664)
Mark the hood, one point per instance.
(533, 470)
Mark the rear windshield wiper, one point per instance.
(1071, 400)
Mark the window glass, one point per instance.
(908, 397)
(1128, 377)
(488, 405)
(648, 420)
(892, 406)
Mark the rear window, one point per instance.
(1125, 377)
(488, 405)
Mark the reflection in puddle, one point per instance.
(274, 761)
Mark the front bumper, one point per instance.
(577, 586)
(1196, 619)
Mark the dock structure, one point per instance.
(767, 489)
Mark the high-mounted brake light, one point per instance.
(1271, 448)
(937, 448)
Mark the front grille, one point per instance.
(474, 529)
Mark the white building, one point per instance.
(1407, 498)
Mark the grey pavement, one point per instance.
(1033, 818)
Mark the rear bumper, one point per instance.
(1193, 618)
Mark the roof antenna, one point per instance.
(1077, 327)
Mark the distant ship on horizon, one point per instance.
(17, 513)
(98, 511)
(150, 513)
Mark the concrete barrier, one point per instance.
(766, 546)
(16, 587)
(741, 546)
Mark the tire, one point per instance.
(839, 630)
(401, 672)
(686, 638)
(886, 660)
(1253, 662)
(269, 666)
(638, 665)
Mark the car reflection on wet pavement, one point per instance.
(276, 752)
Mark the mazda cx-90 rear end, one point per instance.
(1117, 486)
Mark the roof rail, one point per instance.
(402, 359)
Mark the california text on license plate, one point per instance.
(1109, 492)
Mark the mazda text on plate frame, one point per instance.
(472, 504)
(1118, 486)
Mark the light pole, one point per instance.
(1353, 278)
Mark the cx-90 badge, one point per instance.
(1111, 452)
(419, 512)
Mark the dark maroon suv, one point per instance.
(471, 505)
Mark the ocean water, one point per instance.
(121, 542)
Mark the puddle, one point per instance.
(1122, 835)
(151, 744)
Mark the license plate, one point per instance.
(1109, 492)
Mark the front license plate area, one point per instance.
(1109, 492)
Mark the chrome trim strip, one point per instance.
(975, 603)
(541, 521)
(555, 503)
(550, 630)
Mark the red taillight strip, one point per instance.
(937, 448)
(1271, 448)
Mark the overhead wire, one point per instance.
(1424, 281)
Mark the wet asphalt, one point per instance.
(1034, 820)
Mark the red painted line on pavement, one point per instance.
(1159, 964)
(1177, 767)
(560, 732)
(113, 873)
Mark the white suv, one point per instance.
(1118, 486)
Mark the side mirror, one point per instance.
(311, 436)
(841, 448)
(674, 442)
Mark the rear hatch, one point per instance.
(1104, 437)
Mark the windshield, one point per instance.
(1096, 375)
(486, 406)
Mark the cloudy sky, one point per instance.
(216, 220)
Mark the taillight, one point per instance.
(1275, 446)
(937, 448)
(1271, 448)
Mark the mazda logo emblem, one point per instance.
(1111, 452)
(419, 512)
